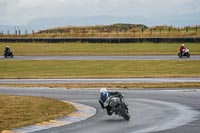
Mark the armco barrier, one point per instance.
(104, 40)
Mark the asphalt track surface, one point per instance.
(148, 57)
(157, 111)
(109, 80)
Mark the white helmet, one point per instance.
(182, 45)
(103, 91)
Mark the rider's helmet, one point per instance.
(182, 44)
(103, 92)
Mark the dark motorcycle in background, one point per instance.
(8, 54)
(184, 53)
(119, 107)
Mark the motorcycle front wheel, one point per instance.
(124, 113)
(188, 55)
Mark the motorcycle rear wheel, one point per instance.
(179, 55)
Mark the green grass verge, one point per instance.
(98, 69)
(17, 111)
(98, 49)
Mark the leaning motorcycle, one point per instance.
(185, 53)
(119, 107)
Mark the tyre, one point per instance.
(124, 113)
(5, 56)
(179, 55)
(11, 55)
(188, 55)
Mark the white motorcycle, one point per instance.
(184, 53)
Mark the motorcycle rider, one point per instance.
(7, 49)
(182, 49)
(105, 95)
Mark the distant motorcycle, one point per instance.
(119, 107)
(185, 53)
(8, 54)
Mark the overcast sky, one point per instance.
(149, 12)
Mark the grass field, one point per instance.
(98, 69)
(98, 49)
(17, 111)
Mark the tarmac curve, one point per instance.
(157, 111)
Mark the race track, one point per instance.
(147, 57)
(163, 111)
(102, 80)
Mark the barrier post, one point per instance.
(33, 33)
(196, 30)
